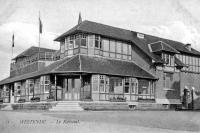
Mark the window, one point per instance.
(116, 85)
(112, 46)
(71, 42)
(126, 85)
(31, 86)
(102, 83)
(95, 83)
(167, 80)
(105, 44)
(129, 49)
(97, 42)
(143, 86)
(66, 43)
(134, 86)
(37, 86)
(83, 40)
(45, 83)
(23, 89)
(125, 48)
(91, 41)
(118, 47)
(62, 47)
(77, 41)
(169, 59)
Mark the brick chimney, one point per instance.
(188, 46)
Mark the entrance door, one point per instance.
(73, 89)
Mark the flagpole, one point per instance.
(39, 34)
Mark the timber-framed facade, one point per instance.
(97, 62)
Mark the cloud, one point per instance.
(26, 35)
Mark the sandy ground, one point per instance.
(99, 121)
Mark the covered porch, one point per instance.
(82, 78)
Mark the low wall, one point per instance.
(33, 106)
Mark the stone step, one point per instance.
(67, 103)
(67, 106)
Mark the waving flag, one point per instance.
(40, 26)
(13, 40)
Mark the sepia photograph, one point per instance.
(99, 66)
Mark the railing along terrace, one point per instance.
(43, 56)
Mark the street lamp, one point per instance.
(192, 96)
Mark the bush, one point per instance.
(35, 99)
(118, 99)
(21, 100)
(1, 100)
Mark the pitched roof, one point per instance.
(113, 67)
(33, 50)
(87, 64)
(126, 35)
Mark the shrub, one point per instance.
(21, 100)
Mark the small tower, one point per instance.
(80, 18)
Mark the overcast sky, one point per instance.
(174, 19)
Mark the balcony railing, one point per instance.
(44, 56)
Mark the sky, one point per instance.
(173, 19)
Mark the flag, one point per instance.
(40, 26)
(13, 40)
(80, 18)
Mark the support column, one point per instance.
(81, 79)
(55, 82)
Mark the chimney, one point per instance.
(188, 46)
(80, 18)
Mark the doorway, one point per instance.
(72, 89)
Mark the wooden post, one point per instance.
(81, 86)
(55, 82)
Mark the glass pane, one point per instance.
(119, 56)
(83, 40)
(97, 41)
(77, 41)
(106, 54)
(112, 46)
(129, 49)
(105, 44)
(119, 47)
(125, 48)
(91, 41)
(66, 43)
(143, 86)
(62, 48)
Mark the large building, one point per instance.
(97, 62)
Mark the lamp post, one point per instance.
(192, 96)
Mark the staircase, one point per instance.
(67, 106)
(149, 106)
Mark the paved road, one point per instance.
(99, 121)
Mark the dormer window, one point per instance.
(168, 59)
(140, 35)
